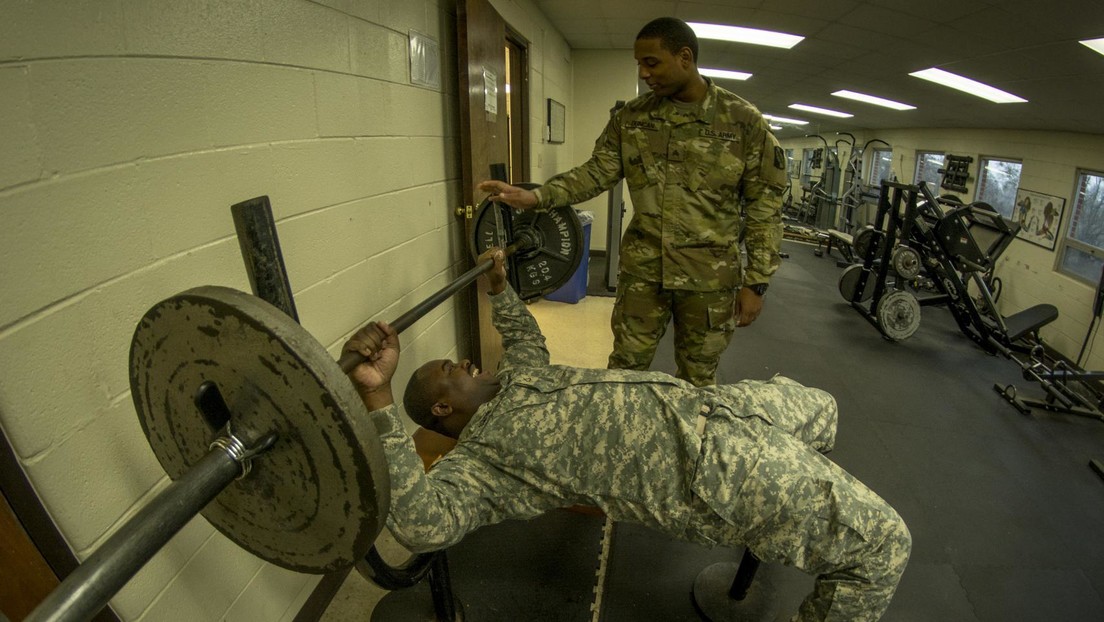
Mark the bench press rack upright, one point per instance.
(875, 287)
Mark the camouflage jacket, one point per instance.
(688, 169)
(554, 436)
(700, 464)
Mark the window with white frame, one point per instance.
(928, 164)
(998, 180)
(881, 166)
(1082, 251)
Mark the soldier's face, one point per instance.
(665, 73)
(461, 380)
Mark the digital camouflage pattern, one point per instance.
(705, 322)
(688, 167)
(731, 465)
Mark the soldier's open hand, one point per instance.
(513, 196)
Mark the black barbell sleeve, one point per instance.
(88, 589)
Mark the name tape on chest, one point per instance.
(720, 134)
(644, 125)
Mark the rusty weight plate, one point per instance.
(316, 500)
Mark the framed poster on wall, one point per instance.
(1039, 216)
(557, 121)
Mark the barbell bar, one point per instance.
(349, 360)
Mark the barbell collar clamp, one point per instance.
(239, 452)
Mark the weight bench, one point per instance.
(974, 236)
(842, 241)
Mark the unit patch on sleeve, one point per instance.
(779, 159)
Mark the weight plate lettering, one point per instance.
(552, 260)
(316, 500)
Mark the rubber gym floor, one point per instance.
(1006, 516)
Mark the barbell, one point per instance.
(261, 430)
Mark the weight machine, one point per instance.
(854, 196)
(1067, 389)
(822, 197)
(920, 242)
(855, 191)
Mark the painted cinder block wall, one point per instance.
(128, 129)
(1029, 273)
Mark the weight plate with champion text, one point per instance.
(540, 269)
(313, 502)
(898, 314)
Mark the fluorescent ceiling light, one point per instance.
(824, 111)
(745, 35)
(870, 99)
(724, 73)
(774, 127)
(776, 119)
(1094, 44)
(966, 85)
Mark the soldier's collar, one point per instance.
(705, 110)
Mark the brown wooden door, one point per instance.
(25, 578)
(484, 138)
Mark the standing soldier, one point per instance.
(691, 153)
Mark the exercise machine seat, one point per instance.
(1031, 319)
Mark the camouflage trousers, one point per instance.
(704, 323)
(762, 482)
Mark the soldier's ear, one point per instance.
(441, 409)
(686, 57)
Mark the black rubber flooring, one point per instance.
(1007, 518)
(543, 569)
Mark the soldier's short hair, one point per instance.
(673, 34)
(419, 403)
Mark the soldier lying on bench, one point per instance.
(736, 465)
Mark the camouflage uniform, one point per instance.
(688, 168)
(733, 465)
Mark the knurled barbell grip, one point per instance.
(349, 360)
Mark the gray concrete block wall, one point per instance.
(129, 128)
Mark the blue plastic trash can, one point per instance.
(574, 289)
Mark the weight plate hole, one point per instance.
(209, 401)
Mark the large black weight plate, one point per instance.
(864, 239)
(316, 500)
(849, 283)
(533, 272)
